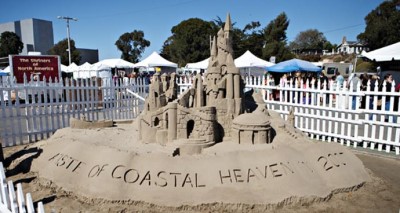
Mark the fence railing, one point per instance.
(15, 203)
(326, 112)
(35, 110)
(340, 114)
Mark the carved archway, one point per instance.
(156, 121)
(189, 127)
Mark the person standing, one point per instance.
(297, 81)
(339, 79)
(386, 86)
(324, 80)
(354, 83)
(324, 84)
(364, 82)
(396, 98)
(283, 81)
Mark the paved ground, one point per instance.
(384, 166)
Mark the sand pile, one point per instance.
(111, 164)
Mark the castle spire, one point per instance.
(228, 23)
(214, 47)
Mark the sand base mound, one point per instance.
(109, 164)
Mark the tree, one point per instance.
(10, 43)
(275, 39)
(382, 25)
(61, 49)
(190, 41)
(252, 39)
(329, 46)
(132, 45)
(309, 40)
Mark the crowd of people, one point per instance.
(356, 82)
(300, 80)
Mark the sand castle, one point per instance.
(212, 144)
(207, 113)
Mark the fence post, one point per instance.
(13, 200)
(29, 203)
(3, 184)
(21, 199)
(1, 152)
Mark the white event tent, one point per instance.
(198, 65)
(84, 71)
(72, 68)
(250, 64)
(388, 53)
(155, 60)
(102, 70)
(117, 63)
(7, 69)
(112, 63)
(64, 68)
(248, 59)
(88, 70)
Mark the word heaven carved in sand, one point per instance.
(326, 163)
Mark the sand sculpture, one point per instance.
(207, 113)
(213, 144)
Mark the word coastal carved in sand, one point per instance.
(161, 178)
(181, 179)
(250, 173)
(213, 143)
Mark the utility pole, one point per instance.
(67, 19)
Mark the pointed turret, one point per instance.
(212, 62)
(214, 48)
(228, 23)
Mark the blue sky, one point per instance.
(100, 23)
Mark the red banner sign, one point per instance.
(35, 66)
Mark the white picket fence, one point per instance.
(326, 115)
(40, 109)
(11, 203)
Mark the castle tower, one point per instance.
(156, 97)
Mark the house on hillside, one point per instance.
(350, 47)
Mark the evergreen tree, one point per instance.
(309, 40)
(383, 25)
(61, 49)
(275, 39)
(190, 41)
(132, 45)
(10, 44)
(253, 39)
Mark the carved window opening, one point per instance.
(189, 127)
(156, 121)
(166, 120)
(254, 138)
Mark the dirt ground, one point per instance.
(382, 194)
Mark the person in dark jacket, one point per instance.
(386, 86)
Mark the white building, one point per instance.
(350, 47)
